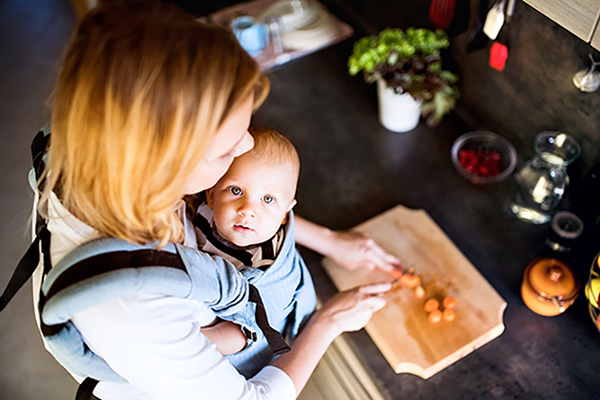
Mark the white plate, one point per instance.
(317, 34)
(293, 14)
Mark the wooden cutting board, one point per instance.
(401, 330)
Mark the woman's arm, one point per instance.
(346, 311)
(349, 249)
(155, 343)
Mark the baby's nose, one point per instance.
(246, 210)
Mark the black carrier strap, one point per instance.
(202, 223)
(31, 259)
(86, 389)
(112, 261)
(39, 146)
(275, 339)
(103, 263)
(24, 270)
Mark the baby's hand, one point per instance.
(228, 337)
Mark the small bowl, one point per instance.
(483, 157)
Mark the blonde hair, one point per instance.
(273, 146)
(142, 90)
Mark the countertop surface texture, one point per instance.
(353, 169)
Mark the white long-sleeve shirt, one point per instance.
(154, 341)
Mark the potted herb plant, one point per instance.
(407, 67)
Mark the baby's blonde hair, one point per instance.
(142, 90)
(272, 145)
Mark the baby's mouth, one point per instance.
(242, 228)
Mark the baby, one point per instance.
(247, 219)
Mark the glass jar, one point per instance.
(565, 229)
(542, 181)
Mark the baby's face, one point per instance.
(252, 200)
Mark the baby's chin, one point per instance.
(250, 240)
(245, 243)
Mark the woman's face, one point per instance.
(231, 140)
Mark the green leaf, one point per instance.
(409, 62)
(441, 104)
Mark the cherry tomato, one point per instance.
(435, 316)
(449, 302)
(431, 305)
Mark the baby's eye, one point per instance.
(236, 191)
(268, 199)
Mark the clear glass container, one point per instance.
(565, 229)
(541, 183)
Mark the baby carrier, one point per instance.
(107, 268)
(285, 285)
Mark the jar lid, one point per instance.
(552, 279)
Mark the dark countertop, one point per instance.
(353, 169)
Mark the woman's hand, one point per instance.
(349, 249)
(354, 250)
(346, 311)
(351, 310)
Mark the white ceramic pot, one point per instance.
(397, 112)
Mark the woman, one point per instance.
(150, 106)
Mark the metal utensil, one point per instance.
(408, 271)
(494, 20)
(588, 80)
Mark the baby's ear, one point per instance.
(209, 197)
(292, 205)
(285, 218)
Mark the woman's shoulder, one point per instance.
(67, 232)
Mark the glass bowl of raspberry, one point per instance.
(483, 157)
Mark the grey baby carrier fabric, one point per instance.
(86, 277)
